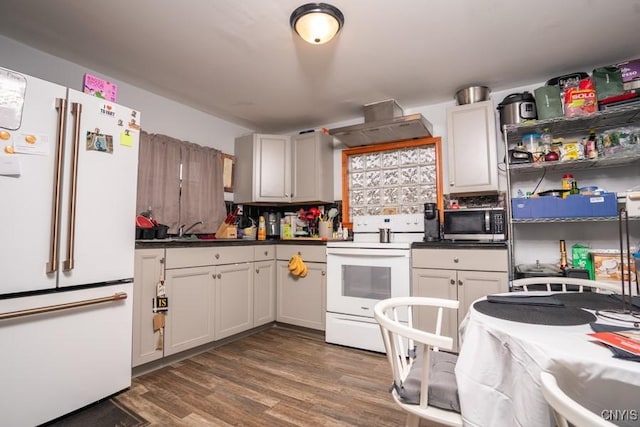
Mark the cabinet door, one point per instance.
(473, 285)
(471, 141)
(272, 179)
(435, 283)
(312, 168)
(234, 299)
(264, 293)
(302, 300)
(149, 265)
(190, 319)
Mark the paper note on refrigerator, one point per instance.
(126, 139)
(9, 166)
(28, 143)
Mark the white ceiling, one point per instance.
(240, 61)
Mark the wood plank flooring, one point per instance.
(276, 377)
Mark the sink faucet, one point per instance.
(182, 231)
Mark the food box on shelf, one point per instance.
(607, 266)
(574, 206)
(581, 258)
(630, 70)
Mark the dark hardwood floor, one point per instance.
(277, 377)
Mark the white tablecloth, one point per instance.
(498, 372)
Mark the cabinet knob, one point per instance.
(266, 253)
(219, 275)
(217, 256)
(453, 282)
(459, 282)
(456, 259)
(257, 271)
(452, 184)
(324, 273)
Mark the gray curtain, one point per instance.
(202, 195)
(202, 188)
(159, 178)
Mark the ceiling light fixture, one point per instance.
(317, 23)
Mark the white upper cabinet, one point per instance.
(473, 158)
(312, 155)
(283, 169)
(263, 169)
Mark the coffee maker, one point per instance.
(431, 222)
(273, 225)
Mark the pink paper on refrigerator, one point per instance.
(100, 88)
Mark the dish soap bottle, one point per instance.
(262, 228)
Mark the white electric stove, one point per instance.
(364, 271)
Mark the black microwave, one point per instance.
(475, 224)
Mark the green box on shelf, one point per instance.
(581, 258)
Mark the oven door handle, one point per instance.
(378, 253)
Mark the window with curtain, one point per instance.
(181, 182)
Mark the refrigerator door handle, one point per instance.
(76, 110)
(61, 124)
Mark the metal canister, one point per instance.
(385, 235)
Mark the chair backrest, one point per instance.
(535, 283)
(565, 409)
(401, 340)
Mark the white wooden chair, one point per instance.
(424, 383)
(565, 409)
(579, 285)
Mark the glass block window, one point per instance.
(397, 180)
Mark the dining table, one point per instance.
(507, 343)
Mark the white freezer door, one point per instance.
(26, 200)
(56, 362)
(102, 232)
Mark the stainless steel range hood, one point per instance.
(384, 122)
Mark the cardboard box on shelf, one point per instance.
(607, 266)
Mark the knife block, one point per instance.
(227, 231)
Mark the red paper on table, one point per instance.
(627, 340)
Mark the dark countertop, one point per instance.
(459, 244)
(187, 243)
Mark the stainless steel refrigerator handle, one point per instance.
(76, 110)
(47, 309)
(61, 108)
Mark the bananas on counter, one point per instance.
(297, 267)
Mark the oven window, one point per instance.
(360, 281)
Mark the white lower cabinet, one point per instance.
(460, 274)
(190, 318)
(302, 301)
(264, 285)
(149, 266)
(210, 293)
(234, 299)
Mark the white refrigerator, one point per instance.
(68, 178)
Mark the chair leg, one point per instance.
(412, 421)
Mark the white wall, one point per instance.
(158, 114)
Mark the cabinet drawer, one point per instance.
(308, 253)
(194, 257)
(264, 252)
(461, 259)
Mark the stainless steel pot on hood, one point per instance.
(384, 122)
